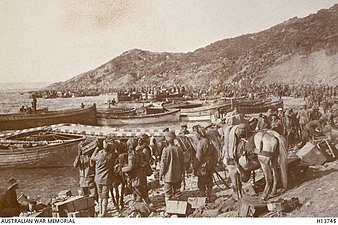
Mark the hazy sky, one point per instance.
(54, 40)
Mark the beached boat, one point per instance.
(204, 112)
(146, 115)
(259, 106)
(21, 120)
(117, 111)
(161, 97)
(38, 149)
(181, 105)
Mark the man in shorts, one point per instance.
(104, 162)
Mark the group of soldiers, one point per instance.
(298, 127)
(97, 169)
(143, 153)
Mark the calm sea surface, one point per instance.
(48, 182)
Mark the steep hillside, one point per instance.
(301, 50)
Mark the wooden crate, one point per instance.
(197, 202)
(251, 207)
(177, 207)
(310, 155)
(328, 150)
(73, 204)
(83, 213)
(283, 205)
(210, 213)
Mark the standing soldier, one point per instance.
(184, 129)
(34, 103)
(87, 172)
(290, 128)
(104, 163)
(136, 173)
(303, 117)
(143, 146)
(276, 124)
(214, 136)
(204, 163)
(172, 168)
(280, 113)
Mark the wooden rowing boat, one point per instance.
(118, 111)
(150, 116)
(21, 121)
(38, 149)
(204, 112)
(259, 107)
(181, 105)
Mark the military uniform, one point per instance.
(138, 178)
(204, 166)
(87, 174)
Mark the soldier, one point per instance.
(204, 163)
(143, 146)
(184, 129)
(290, 127)
(303, 117)
(172, 168)
(86, 171)
(136, 173)
(313, 128)
(263, 122)
(280, 113)
(214, 136)
(276, 124)
(9, 205)
(104, 162)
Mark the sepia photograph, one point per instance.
(203, 109)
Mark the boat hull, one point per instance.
(111, 120)
(23, 121)
(196, 118)
(58, 155)
(204, 110)
(260, 108)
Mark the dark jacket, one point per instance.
(104, 163)
(10, 199)
(205, 155)
(172, 164)
(86, 171)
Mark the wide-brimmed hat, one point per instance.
(11, 183)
